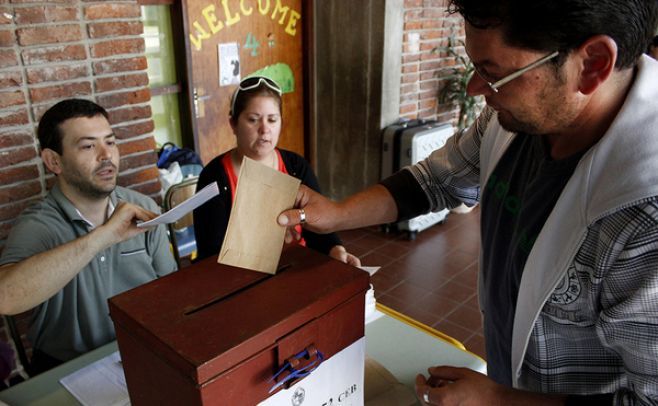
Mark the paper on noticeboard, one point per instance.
(253, 237)
(187, 206)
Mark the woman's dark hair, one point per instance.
(49, 132)
(253, 87)
(563, 25)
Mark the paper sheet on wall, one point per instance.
(253, 238)
(229, 63)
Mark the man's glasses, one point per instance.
(497, 84)
(251, 83)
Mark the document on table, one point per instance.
(182, 209)
(101, 383)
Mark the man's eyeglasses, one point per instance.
(254, 82)
(497, 84)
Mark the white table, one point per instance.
(402, 345)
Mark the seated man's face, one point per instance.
(90, 156)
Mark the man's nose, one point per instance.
(477, 86)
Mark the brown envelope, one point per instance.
(253, 238)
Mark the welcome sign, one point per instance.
(221, 15)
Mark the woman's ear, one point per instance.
(52, 160)
(233, 124)
(598, 55)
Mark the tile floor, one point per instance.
(431, 279)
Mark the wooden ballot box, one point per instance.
(213, 334)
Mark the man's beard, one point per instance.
(88, 188)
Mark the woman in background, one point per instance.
(255, 118)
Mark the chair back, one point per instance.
(16, 336)
(181, 232)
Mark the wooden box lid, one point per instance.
(209, 317)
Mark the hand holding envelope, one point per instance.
(253, 237)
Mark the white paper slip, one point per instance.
(182, 209)
(370, 269)
(101, 383)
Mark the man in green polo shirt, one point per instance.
(69, 253)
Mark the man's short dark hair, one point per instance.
(49, 132)
(563, 25)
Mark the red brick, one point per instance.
(434, 13)
(121, 99)
(56, 73)
(102, 11)
(408, 108)
(15, 138)
(409, 88)
(8, 58)
(430, 66)
(19, 191)
(413, 3)
(427, 114)
(410, 58)
(409, 98)
(412, 25)
(121, 82)
(132, 131)
(60, 91)
(139, 176)
(428, 103)
(139, 160)
(16, 156)
(7, 38)
(115, 29)
(410, 68)
(139, 145)
(428, 75)
(119, 65)
(15, 117)
(11, 211)
(20, 173)
(11, 98)
(410, 77)
(10, 79)
(429, 85)
(54, 54)
(44, 14)
(129, 114)
(49, 34)
(117, 47)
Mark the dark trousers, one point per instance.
(41, 362)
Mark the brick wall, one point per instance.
(427, 27)
(70, 48)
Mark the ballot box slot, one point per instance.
(282, 268)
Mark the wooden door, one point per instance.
(266, 36)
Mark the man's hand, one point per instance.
(340, 253)
(451, 386)
(319, 211)
(122, 225)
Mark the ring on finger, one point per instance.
(426, 396)
(302, 216)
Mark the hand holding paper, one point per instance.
(182, 209)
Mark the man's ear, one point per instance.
(52, 160)
(598, 55)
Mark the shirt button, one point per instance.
(103, 259)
